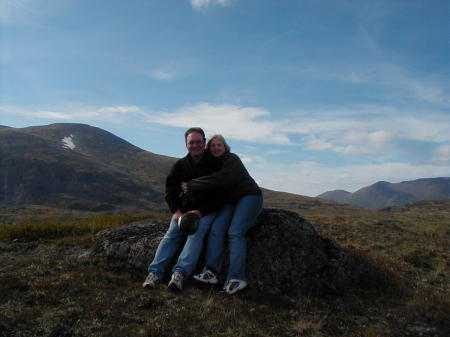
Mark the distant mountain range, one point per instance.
(383, 194)
(80, 167)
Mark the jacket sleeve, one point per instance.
(232, 171)
(173, 189)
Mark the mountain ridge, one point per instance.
(385, 194)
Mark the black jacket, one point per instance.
(184, 170)
(233, 178)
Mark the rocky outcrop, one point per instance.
(285, 254)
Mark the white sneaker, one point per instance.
(176, 282)
(207, 276)
(151, 281)
(233, 286)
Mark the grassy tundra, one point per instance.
(46, 290)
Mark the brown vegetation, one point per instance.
(45, 290)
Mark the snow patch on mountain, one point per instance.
(67, 142)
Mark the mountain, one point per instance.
(335, 195)
(384, 194)
(78, 166)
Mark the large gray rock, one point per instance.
(285, 254)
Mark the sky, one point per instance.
(313, 95)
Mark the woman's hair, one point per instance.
(219, 137)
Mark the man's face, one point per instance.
(195, 144)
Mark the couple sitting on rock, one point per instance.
(209, 193)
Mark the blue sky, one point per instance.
(313, 95)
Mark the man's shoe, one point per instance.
(233, 286)
(151, 281)
(176, 282)
(207, 276)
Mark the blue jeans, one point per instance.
(243, 216)
(217, 237)
(171, 242)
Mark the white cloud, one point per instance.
(119, 109)
(318, 144)
(232, 121)
(13, 10)
(420, 89)
(202, 5)
(77, 113)
(312, 178)
(363, 142)
(163, 75)
(169, 70)
(367, 128)
(275, 152)
(29, 12)
(441, 155)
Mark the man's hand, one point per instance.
(196, 211)
(184, 187)
(177, 215)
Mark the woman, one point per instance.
(244, 204)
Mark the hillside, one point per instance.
(77, 166)
(385, 194)
(335, 195)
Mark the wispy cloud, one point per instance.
(162, 75)
(167, 72)
(241, 123)
(441, 155)
(350, 132)
(203, 5)
(363, 142)
(76, 113)
(368, 128)
(352, 142)
(28, 12)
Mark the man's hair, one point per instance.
(192, 130)
(219, 137)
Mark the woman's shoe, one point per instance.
(206, 276)
(176, 282)
(233, 286)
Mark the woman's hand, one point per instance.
(184, 187)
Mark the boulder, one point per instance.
(285, 254)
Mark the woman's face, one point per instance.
(216, 147)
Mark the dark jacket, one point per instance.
(184, 170)
(233, 178)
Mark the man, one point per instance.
(197, 163)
